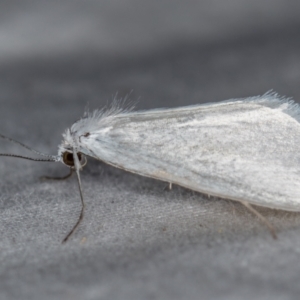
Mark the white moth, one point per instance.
(243, 149)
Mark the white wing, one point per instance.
(245, 150)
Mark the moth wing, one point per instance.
(244, 150)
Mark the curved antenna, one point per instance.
(50, 157)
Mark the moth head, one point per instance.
(68, 159)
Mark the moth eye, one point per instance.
(69, 160)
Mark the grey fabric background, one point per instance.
(137, 241)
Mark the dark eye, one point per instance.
(68, 158)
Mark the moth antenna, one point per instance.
(77, 170)
(28, 158)
(51, 157)
(262, 218)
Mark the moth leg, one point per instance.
(168, 187)
(262, 218)
(57, 178)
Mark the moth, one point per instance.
(246, 150)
